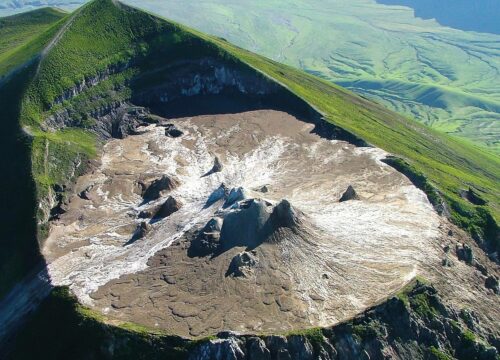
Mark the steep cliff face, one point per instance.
(414, 325)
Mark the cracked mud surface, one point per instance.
(342, 258)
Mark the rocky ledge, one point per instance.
(415, 324)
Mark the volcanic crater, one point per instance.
(238, 224)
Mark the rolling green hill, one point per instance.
(126, 44)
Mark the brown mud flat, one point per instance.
(338, 259)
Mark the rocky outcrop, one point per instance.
(153, 190)
(416, 324)
(241, 265)
(85, 193)
(243, 221)
(221, 193)
(349, 194)
(172, 131)
(492, 283)
(246, 224)
(284, 216)
(90, 81)
(235, 195)
(113, 120)
(142, 230)
(170, 206)
(217, 167)
(207, 240)
(207, 76)
(60, 205)
(464, 253)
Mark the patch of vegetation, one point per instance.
(314, 335)
(436, 354)
(422, 305)
(468, 338)
(368, 331)
(404, 293)
(59, 156)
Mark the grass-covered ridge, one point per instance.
(24, 35)
(17, 30)
(122, 37)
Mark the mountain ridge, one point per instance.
(96, 67)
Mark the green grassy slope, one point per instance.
(445, 78)
(17, 30)
(91, 44)
(19, 35)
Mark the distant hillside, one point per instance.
(9, 7)
(18, 34)
(475, 15)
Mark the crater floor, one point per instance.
(340, 258)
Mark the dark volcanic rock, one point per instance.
(464, 253)
(61, 206)
(154, 190)
(85, 193)
(170, 206)
(241, 264)
(221, 193)
(216, 168)
(284, 215)
(446, 262)
(207, 241)
(172, 131)
(264, 189)
(250, 222)
(349, 194)
(219, 349)
(472, 197)
(142, 230)
(256, 349)
(246, 225)
(146, 214)
(235, 195)
(492, 283)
